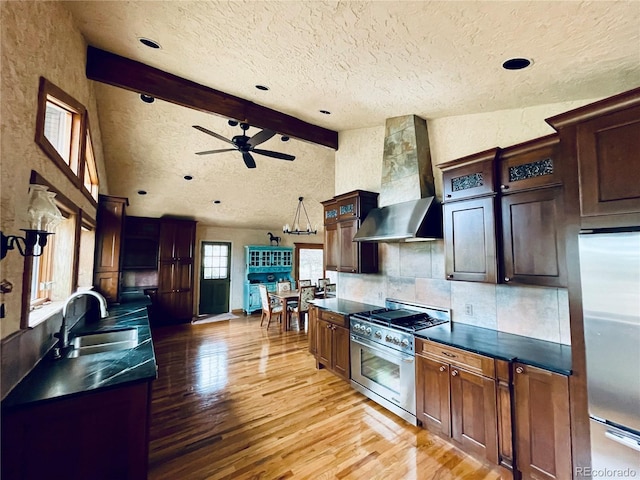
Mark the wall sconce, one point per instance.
(296, 222)
(43, 216)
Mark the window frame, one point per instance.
(306, 246)
(80, 137)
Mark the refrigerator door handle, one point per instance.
(623, 440)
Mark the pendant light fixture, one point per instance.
(296, 222)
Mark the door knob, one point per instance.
(519, 370)
(443, 368)
(454, 373)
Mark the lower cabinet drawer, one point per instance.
(472, 362)
(334, 317)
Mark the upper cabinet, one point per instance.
(605, 139)
(110, 225)
(469, 218)
(513, 233)
(141, 238)
(343, 215)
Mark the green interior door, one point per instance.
(215, 279)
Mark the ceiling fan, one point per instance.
(246, 144)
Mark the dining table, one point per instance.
(285, 298)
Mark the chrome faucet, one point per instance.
(63, 334)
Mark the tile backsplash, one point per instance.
(415, 272)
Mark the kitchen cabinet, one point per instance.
(312, 329)
(542, 423)
(510, 234)
(605, 138)
(141, 243)
(343, 215)
(332, 343)
(101, 436)
(532, 214)
(109, 229)
(456, 397)
(469, 218)
(176, 269)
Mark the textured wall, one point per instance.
(37, 39)
(416, 271)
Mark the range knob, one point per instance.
(389, 338)
(356, 327)
(378, 334)
(396, 340)
(405, 343)
(368, 330)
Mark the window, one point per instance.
(61, 133)
(215, 261)
(309, 261)
(90, 170)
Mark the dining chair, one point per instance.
(268, 309)
(322, 282)
(283, 286)
(304, 283)
(330, 290)
(307, 294)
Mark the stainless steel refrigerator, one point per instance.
(610, 276)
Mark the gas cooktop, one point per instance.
(401, 319)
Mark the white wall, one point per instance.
(415, 271)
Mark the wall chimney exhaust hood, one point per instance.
(412, 221)
(409, 210)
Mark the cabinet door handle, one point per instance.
(447, 354)
(507, 279)
(450, 275)
(454, 373)
(519, 370)
(504, 187)
(448, 195)
(443, 368)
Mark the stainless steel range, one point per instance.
(383, 353)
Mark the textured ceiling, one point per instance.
(362, 61)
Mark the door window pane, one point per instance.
(215, 262)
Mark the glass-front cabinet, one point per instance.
(264, 265)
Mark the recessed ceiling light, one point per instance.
(325, 112)
(147, 42)
(217, 202)
(147, 98)
(188, 177)
(142, 192)
(284, 138)
(262, 87)
(516, 63)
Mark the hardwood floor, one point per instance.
(233, 401)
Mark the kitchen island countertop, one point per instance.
(344, 307)
(52, 379)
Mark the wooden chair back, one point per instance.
(330, 290)
(307, 294)
(283, 286)
(304, 283)
(322, 282)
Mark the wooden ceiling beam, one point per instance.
(112, 69)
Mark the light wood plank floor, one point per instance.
(233, 401)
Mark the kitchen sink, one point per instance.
(98, 342)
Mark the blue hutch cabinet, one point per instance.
(264, 265)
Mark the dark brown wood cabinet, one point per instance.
(542, 423)
(605, 138)
(101, 435)
(176, 270)
(456, 397)
(141, 238)
(109, 229)
(313, 329)
(470, 240)
(332, 343)
(343, 216)
(504, 397)
(532, 214)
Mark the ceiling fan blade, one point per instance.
(261, 137)
(213, 134)
(207, 152)
(248, 160)
(269, 153)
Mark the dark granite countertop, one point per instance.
(551, 356)
(344, 307)
(53, 379)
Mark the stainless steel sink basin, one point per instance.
(104, 342)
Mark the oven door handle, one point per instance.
(386, 352)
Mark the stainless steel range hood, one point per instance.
(412, 221)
